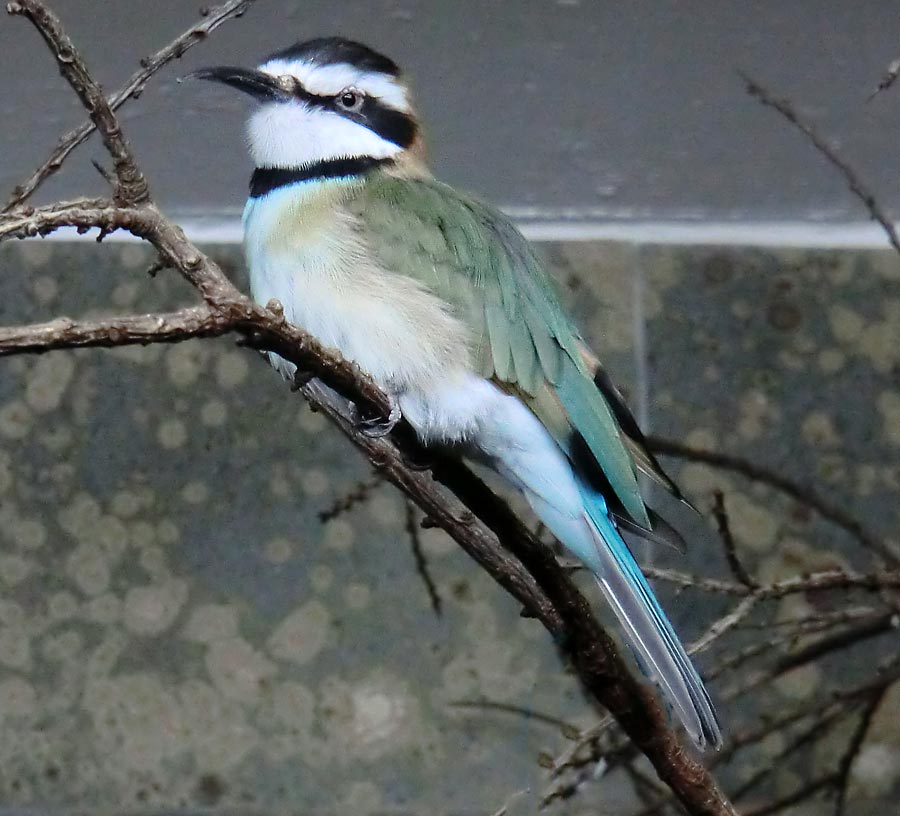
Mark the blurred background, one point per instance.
(207, 602)
(556, 109)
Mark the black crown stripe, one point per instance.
(336, 50)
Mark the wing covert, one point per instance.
(473, 257)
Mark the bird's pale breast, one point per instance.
(307, 251)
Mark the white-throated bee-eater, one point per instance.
(443, 302)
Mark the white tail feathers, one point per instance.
(651, 636)
(522, 450)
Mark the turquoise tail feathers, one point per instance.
(648, 630)
(515, 443)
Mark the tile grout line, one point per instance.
(638, 285)
(641, 363)
(226, 228)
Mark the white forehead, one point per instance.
(330, 80)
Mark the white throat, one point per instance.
(292, 134)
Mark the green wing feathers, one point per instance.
(473, 257)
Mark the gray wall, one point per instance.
(605, 110)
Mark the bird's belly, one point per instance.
(398, 345)
(409, 345)
(401, 334)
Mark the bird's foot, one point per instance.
(377, 426)
(299, 379)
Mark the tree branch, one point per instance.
(803, 495)
(738, 570)
(131, 186)
(110, 332)
(131, 90)
(854, 182)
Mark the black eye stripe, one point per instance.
(395, 126)
(390, 124)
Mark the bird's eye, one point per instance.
(350, 99)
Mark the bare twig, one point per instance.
(84, 214)
(883, 677)
(131, 90)
(724, 624)
(568, 758)
(415, 543)
(568, 730)
(822, 713)
(110, 332)
(359, 494)
(131, 186)
(803, 495)
(844, 638)
(842, 783)
(805, 791)
(887, 80)
(581, 771)
(854, 182)
(738, 570)
(503, 810)
(813, 582)
(819, 727)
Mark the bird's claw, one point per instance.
(375, 427)
(300, 379)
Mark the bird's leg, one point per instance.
(377, 425)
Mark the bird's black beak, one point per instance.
(259, 85)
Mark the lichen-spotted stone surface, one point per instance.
(791, 360)
(180, 633)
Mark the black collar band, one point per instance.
(267, 179)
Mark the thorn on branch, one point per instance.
(156, 267)
(275, 307)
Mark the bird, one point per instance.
(440, 299)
